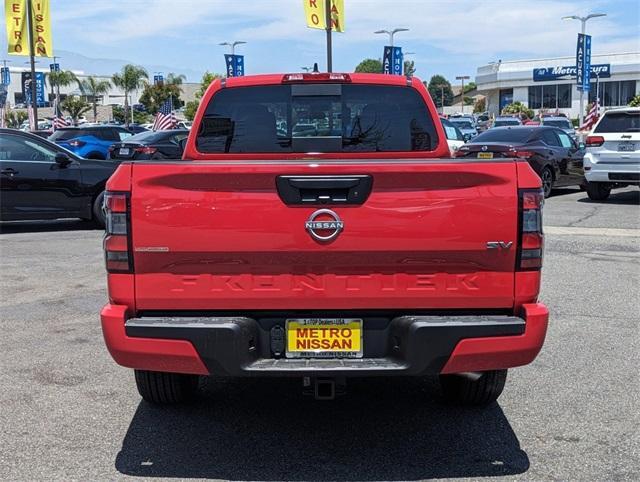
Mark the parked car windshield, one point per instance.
(562, 124)
(503, 135)
(460, 124)
(619, 122)
(318, 118)
(147, 136)
(509, 122)
(65, 134)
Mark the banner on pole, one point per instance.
(41, 22)
(5, 76)
(26, 88)
(392, 60)
(15, 17)
(314, 11)
(235, 65)
(583, 62)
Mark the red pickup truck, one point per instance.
(316, 228)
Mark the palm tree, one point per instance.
(75, 107)
(62, 78)
(130, 78)
(92, 87)
(175, 79)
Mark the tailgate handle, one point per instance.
(299, 190)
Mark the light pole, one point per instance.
(307, 69)
(233, 45)
(391, 33)
(583, 21)
(462, 78)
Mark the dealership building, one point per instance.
(550, 84)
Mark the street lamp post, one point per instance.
(583, 21)
(233, 45)
(391, 33)
(462, 78)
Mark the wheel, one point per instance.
(598, 191)
(98, 213)
(547, 181)
(165, 388)
(463, 390)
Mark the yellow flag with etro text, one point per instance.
(315, 13)
(15, 12)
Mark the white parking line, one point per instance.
(571, 231)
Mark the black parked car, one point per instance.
(553, 154)
(41, 180)
(150, 145)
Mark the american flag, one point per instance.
(58, 119)
(165, 119)
(32, 121)
(592, 117)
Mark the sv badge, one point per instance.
(499, 244)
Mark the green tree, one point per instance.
(153, 96)
(480, 105)
(469, 87)
(93, 88)
(191, 107)
(129, 79)
(138, 117)
(518, 108)
(75, 107)
(440, 89)
(409, 68)
(369, 66)
(14, 118)
(635, 102)
(62, 78)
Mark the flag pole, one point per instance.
(327, 12)
(34, 91)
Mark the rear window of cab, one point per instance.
(316, 118)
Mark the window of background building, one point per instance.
(614, 93)
(550, 96)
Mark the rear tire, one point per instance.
(598, 191)
(163, 388)
(98, 213)
(461, 390)
(547, 181)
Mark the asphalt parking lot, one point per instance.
(68, 412)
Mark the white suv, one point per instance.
(613, 152)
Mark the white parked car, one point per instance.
(455, 137)
(613, 152)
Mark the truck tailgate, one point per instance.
(218, 236)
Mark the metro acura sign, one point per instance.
(544, 74)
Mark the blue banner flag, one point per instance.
(54, 67)
(235, 65)
(583, 62)
(392, 60)
(5, 76)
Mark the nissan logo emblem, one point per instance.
(324, 225)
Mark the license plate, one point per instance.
(626, 146)
(324, 338)
(124, 151)
(485, 155)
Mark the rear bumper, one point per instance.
(625, 170)
(406, 345)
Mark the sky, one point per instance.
(448, 37)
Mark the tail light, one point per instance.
(76, 143)
(145, 150)
(523, 154)
(117, 240)
(594, 141)
(531, 243)
(316, 77)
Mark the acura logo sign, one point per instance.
(324, 225)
